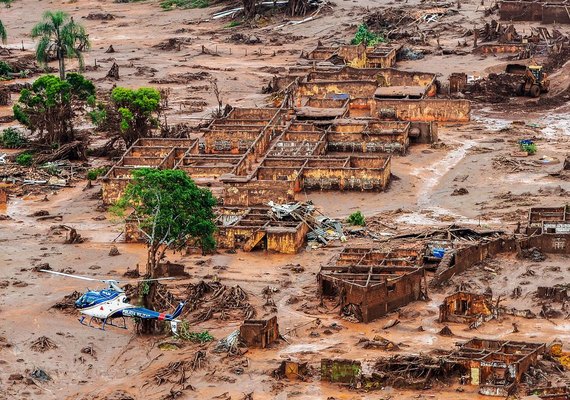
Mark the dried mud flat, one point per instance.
(116, 364)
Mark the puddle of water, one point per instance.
(555, 125)
(297, 348)
(493, 124)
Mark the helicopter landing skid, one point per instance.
(104, 322)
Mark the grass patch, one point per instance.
(196, 337)
(233, 24)
(92, 174)
(357, 219)
(12, 138)
(168, 5)
(25, 159)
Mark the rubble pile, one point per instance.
(496, 88)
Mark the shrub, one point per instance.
(12, 138)
(92, 174)
(357, 219)
(168, 5)
(233, 24)
(4, 68)
(366, 36)
(528, 146)
(25, 159)
(196, 337)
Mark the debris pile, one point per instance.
(43, 344)
(493, 89)
(408, 371)
(67, 304)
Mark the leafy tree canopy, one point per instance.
(171, 211)
(48, 107)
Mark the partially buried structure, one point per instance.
(337, 123)
(371, 283)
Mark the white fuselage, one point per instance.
(104, 309)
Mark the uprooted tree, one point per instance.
(49, 107)
(294, 8)
(171, 213)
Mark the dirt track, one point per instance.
(498, 197)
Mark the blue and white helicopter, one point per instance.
(111, 303)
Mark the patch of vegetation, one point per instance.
(528, 146)
(25, 159)
(168, 5)
(12, 138)
(136, 112)
(366, 36)
(49, 107)
(5, 68)
(92, 174)
(357, 219)
(196, 337)
(98, 116)
(233, 24)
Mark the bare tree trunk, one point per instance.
(149, 326)
(61, 59)
(249, 8)
(297, 7)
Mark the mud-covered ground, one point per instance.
(473, 156)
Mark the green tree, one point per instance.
(49, 106)
(60, 37)
(3, 32)
(171, 212)
(136, 112)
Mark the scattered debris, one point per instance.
(42, 344)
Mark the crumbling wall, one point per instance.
(286, 240)
(452, 308)
(520, 11)
(466, 257)
(550, 243)
(233, 141)
(255, 193)
(3, 196)
(354, 89)
(259, 333)
(397, 293)
(501, 48)
(112, 189)
(440, 110)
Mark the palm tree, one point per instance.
(60, 36)
(3, 33)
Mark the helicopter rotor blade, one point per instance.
(116, 281)
(85, 278)
(151, 279)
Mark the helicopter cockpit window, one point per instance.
(86, 300)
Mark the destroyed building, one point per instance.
(370, 284)
(257, 227)
(355, 55)
(549, 220)
(467, 308)
(497, 367)
(336, 128)
(547, 12)
(259, 333)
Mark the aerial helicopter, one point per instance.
(112, 302)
